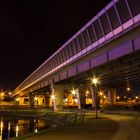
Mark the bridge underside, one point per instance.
(120, 72)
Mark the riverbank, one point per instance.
(106, 127)
(106, 122)
(23, 113)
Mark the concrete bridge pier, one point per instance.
(111, 96)
(53, 96)
(31, 100)
(78, 98)
(47, 99)
(75, 92)
(57, 96)
(40, 100)
(82, 98)
(93, 96)
(23, 100)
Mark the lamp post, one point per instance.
(101, 94)
(95, 82)
(128, 89)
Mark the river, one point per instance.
(16, 126)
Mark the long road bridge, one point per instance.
(107, 47)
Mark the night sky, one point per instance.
(30, 31)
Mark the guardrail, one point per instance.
(61, 119)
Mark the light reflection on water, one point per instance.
(15, 127)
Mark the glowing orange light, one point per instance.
(94, 81)
(136, 97)
(104, 96)
(73, 91)
(2, 93)
(128, 89)
(100, 93)
(118, 97)
(53, 97)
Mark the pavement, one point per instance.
(106, 127)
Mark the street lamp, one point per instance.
(118, 97)
(101, 93)
(128, 89)
(53, 97)
(102, 98)
(73, 91)
(95, 82)
(35, 98)
(87, 92)
(136, 97)
(2, 94)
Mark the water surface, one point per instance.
(16, 126)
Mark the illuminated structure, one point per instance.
(111, 36)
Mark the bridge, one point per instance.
(107, 47)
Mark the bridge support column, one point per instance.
(57, 94)
(79, 95)
(76, 96)
(40, 100)
(78, 99)
(53, 98)
(21, 101)
(82, 98)
(31, 101)
(47, 99)
(112, 96)
(93, 97)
